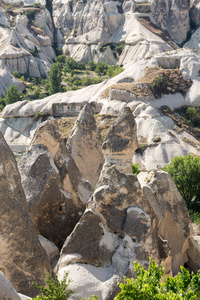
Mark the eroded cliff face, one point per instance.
(172, 16)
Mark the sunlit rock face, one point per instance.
(172, 16)
(22, 258)
(84, 144)
(121, 141)
(127, 219)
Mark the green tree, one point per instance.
(92, 65)
(101, 68)
(135, 169)
(149, 285)
(54, 290)
(55, 79)
(70, 64)
(61, 58)
(12, 95)
(185, 171)
(110, 72)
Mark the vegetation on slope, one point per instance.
(65, 75)
(157, 82)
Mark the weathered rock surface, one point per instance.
(84, 144)
(121, 141)
(82, 28)
(50, 207)
(57, 194)
(7, 291)
(194, 12)
(172, 16)
(51, 250)
(48, 134)
(22, 258)
(127, 220)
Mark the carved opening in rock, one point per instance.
(61, 108)
(62, 208)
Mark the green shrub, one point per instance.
(34, 52)
(149, 285)
(195, 216)
(118, 70)
(1, 107)
(135, 169)
(36, 92)
(70, 64)
(81, 66)
(16, 74)
(185, 171)
(92, 65)
(110, 72)
(55, 290)
(12, 95)
(158, 81)
(101, 68)
(36, 5)
(61, 58)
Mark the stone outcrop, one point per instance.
(121, 140)
(194, 12)
(172, 16)
(22, 258)
(7, 291)
(51, 250)
(58, 194)
(84, 144)
(26, 47)
(83, 27)
(127, 219)
(50, 207)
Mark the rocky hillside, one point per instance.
(117, 32)
(71, 203)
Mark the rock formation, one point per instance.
(22, 258)
(55, 189)
(84, 144)
(7, 291)
(50, 207)
(127, 220)
(172, 16)
(121, 140)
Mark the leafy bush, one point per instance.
(195, 216)
(185, 171)
(149, 285)
(92, 65)
(81, 66)
(135, 168)
(61, 58)
(12, 95)
(70, 64)
(55, 290)
(158, 81)
(193, 115)
(16, 74)
(1, 107)
(101, 68)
